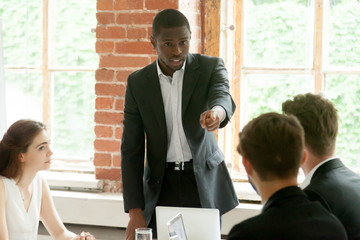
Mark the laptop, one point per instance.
(199, 223)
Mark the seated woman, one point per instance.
(24, 194)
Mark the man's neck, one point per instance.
(268, 188)
(312, 161)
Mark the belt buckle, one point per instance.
(179, 166)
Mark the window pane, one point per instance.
(265, 93)
(344, 92)
(74, 41)
(344, 33)
(277, 33)
(22, 29)
(23, 96)
(74, 107)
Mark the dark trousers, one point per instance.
(179, 189)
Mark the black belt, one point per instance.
(180, 166)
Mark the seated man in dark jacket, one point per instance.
(272, 149)
(327, 180)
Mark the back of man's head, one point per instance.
(319, 119)
(274, 145)
(169, 18)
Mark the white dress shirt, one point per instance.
(308, 177)
(171, 90)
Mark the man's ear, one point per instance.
(153, 42)
(304, 158)
(247, 165)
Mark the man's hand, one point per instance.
(211, 119)
(137, 220)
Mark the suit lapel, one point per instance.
(191, 77)
(156, 100)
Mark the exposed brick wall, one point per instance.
(122, 33)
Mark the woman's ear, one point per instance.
(21, 157)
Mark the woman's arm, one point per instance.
(52, 221)
(50, 217)
(3, 227)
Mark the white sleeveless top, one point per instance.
(22, 225)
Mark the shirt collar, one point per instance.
(308, 177)
(161, 73)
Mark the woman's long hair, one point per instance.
(15, 141)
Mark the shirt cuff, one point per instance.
(220, 111)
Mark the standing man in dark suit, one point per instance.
(272, 149)
(172, 107)
(327, 179)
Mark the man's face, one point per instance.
(172, 46)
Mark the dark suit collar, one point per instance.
(156, 98)
(283, 194)
(329, 165)
(191, 76)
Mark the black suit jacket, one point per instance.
(338, 189)
(288, 214)
(205, 85)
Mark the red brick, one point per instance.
(135, 18)
(104, 4)
(122, 76)
(107, 145)
(103, 131)
(104, 46)
(116, 162)
(109, 89)
(158, 4)
(118, 132)
(105, 17)
(110, 32)
(102, 160)
(149, 31)
(153, 58)
(134, 47)
(103, 75)
(109, 118)
(112, 186)
(105, 173)
(123, 61)
(136, 33)
(102, 103)
(119, 104)
(128, 4)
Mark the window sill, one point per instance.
(73, 181)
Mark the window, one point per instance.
(49, 65)
(281, 48)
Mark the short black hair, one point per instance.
(169, 18)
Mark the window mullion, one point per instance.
(45, 64)
(318, 46)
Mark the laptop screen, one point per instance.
(176, 228)
(199, 223)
